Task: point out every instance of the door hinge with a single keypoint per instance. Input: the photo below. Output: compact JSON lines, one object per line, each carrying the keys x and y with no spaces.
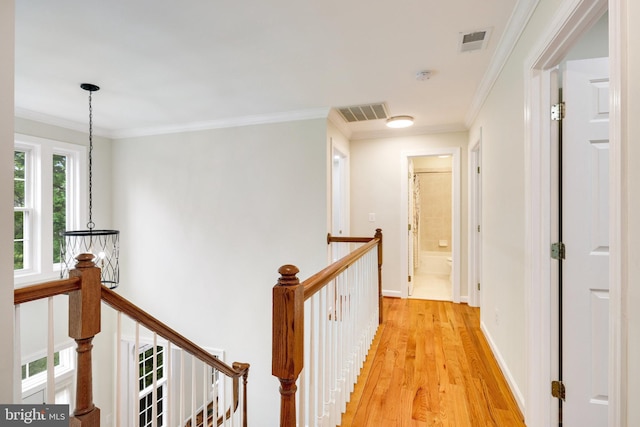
{"x":409,"y":227}
{"x":558,"y":250}
{"x":409,"y":278}
{"x":558,"y":111}
{"x":557,"y":390}
{"x":478,"y":169}
{"x":478,"y":286}
{"x":478,"y":228}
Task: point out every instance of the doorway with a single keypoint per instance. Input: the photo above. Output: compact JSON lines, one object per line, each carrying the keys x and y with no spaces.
{"x":475,"y":222}
{"x":431,"y":227}
{"x":339,"y":200}
{"x":445,"y":245}
{"x":542,"y":223}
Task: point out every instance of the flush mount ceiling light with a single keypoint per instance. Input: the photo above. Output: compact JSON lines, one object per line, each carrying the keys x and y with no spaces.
{"x":398,"y":122}
{"x":102,"y":244}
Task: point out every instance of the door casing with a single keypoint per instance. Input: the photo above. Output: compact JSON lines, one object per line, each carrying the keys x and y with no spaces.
{"x":475,"y":222}
{"x":572,"y":20}
{"x":405,"y":157}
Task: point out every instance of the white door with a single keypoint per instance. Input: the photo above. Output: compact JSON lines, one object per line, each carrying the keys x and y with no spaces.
{"x":339,"y":201}
{"x":475,"y":248}
{"x":412,"y":228}
{"x":585,"y":232}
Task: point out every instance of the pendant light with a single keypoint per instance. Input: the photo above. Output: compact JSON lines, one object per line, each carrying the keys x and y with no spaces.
{"x":102,"y":244}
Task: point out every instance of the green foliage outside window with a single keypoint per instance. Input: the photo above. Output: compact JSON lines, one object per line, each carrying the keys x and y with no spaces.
{"x":59,"y":202}
{"x":19,"y":197}
{"x":40,"y":365}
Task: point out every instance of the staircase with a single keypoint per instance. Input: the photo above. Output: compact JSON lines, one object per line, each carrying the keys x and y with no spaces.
{"x":211,"y":386}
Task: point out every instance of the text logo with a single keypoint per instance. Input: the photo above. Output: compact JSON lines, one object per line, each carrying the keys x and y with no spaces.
{"x":34,"y":415}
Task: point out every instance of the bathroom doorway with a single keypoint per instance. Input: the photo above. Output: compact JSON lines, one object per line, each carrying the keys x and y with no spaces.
{"x":431,"y":223}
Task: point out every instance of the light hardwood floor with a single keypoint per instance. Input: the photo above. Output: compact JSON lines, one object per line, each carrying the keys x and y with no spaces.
{"x":430,"y":365}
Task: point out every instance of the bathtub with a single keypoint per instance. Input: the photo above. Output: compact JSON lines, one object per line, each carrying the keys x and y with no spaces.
{"x":434,"y":262}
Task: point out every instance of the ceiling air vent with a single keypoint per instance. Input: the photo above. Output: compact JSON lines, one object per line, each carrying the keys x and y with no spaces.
{"x":361,"y":113}
{"x":475,"y":40}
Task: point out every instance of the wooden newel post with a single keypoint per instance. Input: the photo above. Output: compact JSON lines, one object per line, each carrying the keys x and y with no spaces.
{"x":84,"y":324}
{"x":288,"y":339}
{"x":378,"y":235}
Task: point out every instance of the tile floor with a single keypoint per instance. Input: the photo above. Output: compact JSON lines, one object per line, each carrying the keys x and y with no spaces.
{"x":431,"y":286}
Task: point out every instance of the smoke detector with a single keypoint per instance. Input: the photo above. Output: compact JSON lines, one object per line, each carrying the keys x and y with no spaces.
{"x":423,"y":75}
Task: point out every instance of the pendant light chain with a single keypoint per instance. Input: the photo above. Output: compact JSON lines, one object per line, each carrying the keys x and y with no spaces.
{"x":90,"y":224}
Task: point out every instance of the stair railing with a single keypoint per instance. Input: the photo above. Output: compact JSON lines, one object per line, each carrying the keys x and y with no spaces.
{"x":86,"y":294}
{"x":325,"y":325}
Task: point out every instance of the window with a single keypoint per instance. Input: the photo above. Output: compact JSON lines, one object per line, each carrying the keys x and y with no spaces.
{"x":21,"y":208}
{"x":34,"y":377}
{"x":146,"y":386}
{"x":47,"y":189}
{"x":171,"y":373}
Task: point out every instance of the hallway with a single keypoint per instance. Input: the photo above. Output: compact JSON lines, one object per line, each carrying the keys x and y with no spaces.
{"x":430,"y":365}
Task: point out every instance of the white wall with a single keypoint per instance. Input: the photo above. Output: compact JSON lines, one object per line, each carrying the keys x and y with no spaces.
{"x":594,"y":43}
{"x":501,"y":121}
{"x":7,"y":13}
{"x":206,"y":220}
{"x":375,"y":188}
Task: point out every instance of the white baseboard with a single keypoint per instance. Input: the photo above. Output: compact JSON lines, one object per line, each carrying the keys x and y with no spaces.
{"x":464,"y":300}
{"x":392,"y":294}
{"x":517,"y":394}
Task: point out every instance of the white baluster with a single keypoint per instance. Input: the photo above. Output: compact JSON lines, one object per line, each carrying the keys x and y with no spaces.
{"x":17,"y":358}
{"x":135,"y":396}
{"x":51,"y":377}
{"x":119,"y":402}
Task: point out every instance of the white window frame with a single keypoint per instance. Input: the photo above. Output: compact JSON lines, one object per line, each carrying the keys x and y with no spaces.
{"x":131,"y":394}
{"x":160,"y":382}
{"x":63,"y":373}
{"x":39,"y":192}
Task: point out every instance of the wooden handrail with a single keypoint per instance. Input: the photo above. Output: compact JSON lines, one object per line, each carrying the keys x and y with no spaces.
{"x":335,"y":239}
{"x":45,"y":290}
{"x":121,"y":304}
{"x":316,"y":282}
{"x":289,"y":297}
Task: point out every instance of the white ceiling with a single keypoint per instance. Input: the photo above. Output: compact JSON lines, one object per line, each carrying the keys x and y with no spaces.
{"x":165,"y":65}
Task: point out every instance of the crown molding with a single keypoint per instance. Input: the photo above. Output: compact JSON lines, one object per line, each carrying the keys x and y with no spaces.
{"x":412,"y":131}
{"x":47,"y":119}
{"x":516,"y":25}
{"x":290,"y":116}
{"x":336,"y":119}
{"x":258,"y":119}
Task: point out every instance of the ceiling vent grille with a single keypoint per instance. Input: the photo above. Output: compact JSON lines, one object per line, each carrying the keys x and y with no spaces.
{"x":475,"y":40}
{"x":362,"y":113}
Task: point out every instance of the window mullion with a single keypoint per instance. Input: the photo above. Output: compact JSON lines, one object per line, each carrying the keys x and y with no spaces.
{"x":46,"y":210}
